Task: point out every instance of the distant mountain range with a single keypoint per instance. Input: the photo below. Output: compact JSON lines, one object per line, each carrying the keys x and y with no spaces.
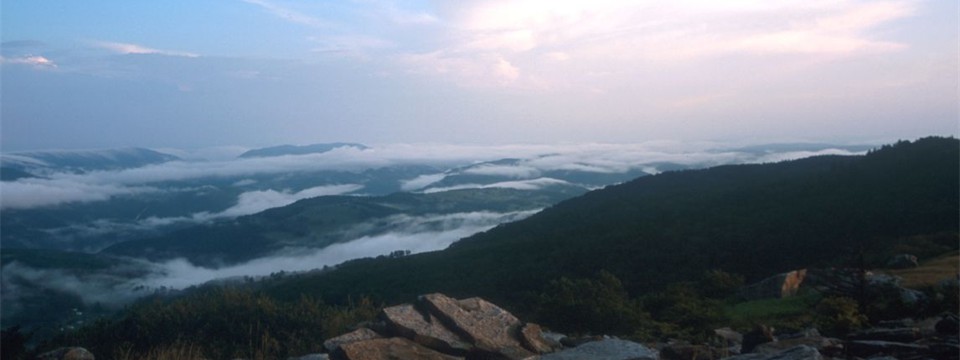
{"x":25,"y":164}
{"x":298,"y":149}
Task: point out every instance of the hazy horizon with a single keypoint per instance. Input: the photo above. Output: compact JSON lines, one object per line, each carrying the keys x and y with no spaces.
{"x":254,"y":73}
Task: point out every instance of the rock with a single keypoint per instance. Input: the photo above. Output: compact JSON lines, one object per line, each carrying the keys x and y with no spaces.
{"x":729,"y":335}
{"x":532,"y":338}
{"x":903,"y":261}
{"x":893,"y":324}
{"x":867,"y":348}
{"x":777,"y":286}
{"x":424,"y":329}
{"x":823,"y":345}
{"x":488,"y":327}
{"x":682,"y":350}
{"x":801,"y":352}
{"x":67,"y":353}
{"x":387,"y":349}
{"x":606,"y":349}
{"x":948,"y":325}
{"x":909,"y":334}
{"x":759,"y":335}
{"x":311,"y":357}
{"x":353,"y":336}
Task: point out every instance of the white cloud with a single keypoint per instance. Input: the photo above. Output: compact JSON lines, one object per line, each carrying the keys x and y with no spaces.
{"x":127,"y":48}
{"x":252,"y":202}
{"x":579,"y":37}
{"x":414,"y":233}
{"x":36,"y":61}
{"x":520,"y":171}
{"x":288,"y":14}
{"x":421,"y":181}
{"x":34,"y":192}
{"x":60,"y":188}
{"x":532,"y":184}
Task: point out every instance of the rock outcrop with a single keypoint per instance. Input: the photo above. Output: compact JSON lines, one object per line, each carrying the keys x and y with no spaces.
{"x":440,"y":327}
{"x":778,"y":286}
{"x":67,"y":353}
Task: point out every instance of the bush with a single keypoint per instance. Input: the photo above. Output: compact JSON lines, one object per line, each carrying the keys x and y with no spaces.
{"x":599,"y":305}
{"x":838,"y":316}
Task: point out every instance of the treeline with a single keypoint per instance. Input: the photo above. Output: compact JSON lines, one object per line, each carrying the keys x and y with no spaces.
{"x":218,"y":323}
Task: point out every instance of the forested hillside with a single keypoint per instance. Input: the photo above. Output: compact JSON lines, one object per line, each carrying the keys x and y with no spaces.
{"x":751,"y":220}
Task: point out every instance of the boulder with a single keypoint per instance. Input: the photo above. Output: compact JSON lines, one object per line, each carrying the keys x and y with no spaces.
{"x":423,"y":328}
{"x":909,"y":334}
{"x":760,"y":334}
{"x":489,"y":328}
{"x":903,"y":261}
{"x":683,"y":350}
{"x":353,"y":336}
{"x":867,"y":348}
{"x":949,"y":324}
{"x":606,"y":349}
{"x":387,"y":349}
{"x":67,"y":353}
{"x":729,"y":335}
{"x":777,"y":286}
{"x":801,"y":352}
{"x":532,"y":338}
{"x":823,"y":345}
{"x":311,"y":357}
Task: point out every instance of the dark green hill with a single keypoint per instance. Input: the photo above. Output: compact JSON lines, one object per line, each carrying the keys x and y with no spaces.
{"x":325,"y":220}
{"x":297,"y":150}
{"x":754,"y":220}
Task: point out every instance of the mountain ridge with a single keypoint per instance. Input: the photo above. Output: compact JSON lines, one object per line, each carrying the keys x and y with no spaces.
{"x":838,"y":203}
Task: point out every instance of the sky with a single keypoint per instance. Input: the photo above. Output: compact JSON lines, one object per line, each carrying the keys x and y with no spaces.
{"x":205,"y":73}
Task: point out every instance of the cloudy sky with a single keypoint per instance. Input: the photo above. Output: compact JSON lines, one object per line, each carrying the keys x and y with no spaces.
{"x":190,"y":74}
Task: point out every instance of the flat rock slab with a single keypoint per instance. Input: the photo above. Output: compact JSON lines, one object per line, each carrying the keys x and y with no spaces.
{"x":424,"y":329}
{"x":490,"y":328}
{"x":801,"y":352}
{"x":388,"y":349}
{"x":357,"y":335}
{"x":607,"y":349}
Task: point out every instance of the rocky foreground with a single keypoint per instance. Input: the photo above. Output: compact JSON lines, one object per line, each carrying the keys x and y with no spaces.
{"x":439,"y":327}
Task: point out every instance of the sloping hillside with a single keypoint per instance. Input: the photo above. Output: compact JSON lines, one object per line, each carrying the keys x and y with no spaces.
{"x":753,"y":220}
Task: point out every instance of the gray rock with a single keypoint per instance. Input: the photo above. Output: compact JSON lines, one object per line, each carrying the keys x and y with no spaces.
{"x":607,"y":349}
{"x":424,"y":329}
{"x":357,"y":335}
{"x":729,"y":335}
{"x":387,"y":349}
{"x":903,"y":261}
{"x":867,"y":348}
{"x":311,"y":357}
{"x":532,"y":338}
{"x":906,"y":335}
{"x":949,"y":325}
{"x":67,"y":353}
{"x":801,"y":352}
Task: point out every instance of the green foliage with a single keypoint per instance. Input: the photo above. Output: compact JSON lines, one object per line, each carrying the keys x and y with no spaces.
{"x":222,"y":323}
{"x":690,"y":315}
{"x":838,"y":316}
{"x":792,"y":313}
{"x":718,"y":284}
{"x":599,"y":305}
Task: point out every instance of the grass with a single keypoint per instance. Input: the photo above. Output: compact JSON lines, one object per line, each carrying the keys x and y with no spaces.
{"x":930,"y":272}
{"x":791,"y":312}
